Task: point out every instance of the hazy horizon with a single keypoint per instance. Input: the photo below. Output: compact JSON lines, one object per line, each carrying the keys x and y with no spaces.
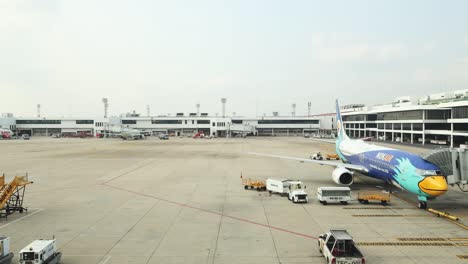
{"x":261,"y":55}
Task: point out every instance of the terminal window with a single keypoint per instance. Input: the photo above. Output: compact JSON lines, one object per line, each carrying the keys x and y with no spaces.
{"x":84,"y":122}
{"x":402,"y":115}
{"x":460,"y":112}
{"x":307,"y":121}
{"x":166,"y":121}
{"x":39,"y":122}
{"x":128,"y":122}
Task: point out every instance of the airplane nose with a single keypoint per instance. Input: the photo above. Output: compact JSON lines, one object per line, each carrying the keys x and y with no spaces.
{"x":434,"y":185}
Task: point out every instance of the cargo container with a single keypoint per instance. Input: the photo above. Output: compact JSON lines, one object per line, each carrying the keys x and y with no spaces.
{"x":5,"y":255}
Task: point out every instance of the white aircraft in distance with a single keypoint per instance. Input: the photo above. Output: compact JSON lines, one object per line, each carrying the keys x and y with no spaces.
{"x":131,"y":134}
{"x":402,"y":169}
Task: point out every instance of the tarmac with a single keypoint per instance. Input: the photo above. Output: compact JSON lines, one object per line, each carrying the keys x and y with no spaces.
{"x":181,"y":201}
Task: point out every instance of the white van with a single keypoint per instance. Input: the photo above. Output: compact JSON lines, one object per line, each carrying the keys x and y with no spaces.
{"x":334,"y":194}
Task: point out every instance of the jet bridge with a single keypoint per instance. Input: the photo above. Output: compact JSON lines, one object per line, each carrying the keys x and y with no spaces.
{"x":453,"y":163}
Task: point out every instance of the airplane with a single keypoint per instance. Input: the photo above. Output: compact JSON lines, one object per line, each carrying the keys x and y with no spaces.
{"x":6,"y":133}
{"x":131,"y":134}
{"x":402,"y":169}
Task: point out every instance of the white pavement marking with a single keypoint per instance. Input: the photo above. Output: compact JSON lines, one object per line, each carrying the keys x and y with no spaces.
{"x":104,"y":261}
{"x":21,"y":218}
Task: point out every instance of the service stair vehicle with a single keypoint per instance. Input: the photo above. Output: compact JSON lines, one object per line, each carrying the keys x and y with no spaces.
{"x":338,"y":247}
{"x":382,"y":197}
{"x":334,"y":195}
{"x":254,"y":184}
{"x":5,"y":255}
{"x":42,"y":251}
{"x":295,"y":190}
{"x":12,"y":195}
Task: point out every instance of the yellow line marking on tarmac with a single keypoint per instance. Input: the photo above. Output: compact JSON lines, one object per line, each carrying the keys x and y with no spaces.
{"x":374,"y":208}
{"x":424,"y":244}
{"x":421,"y":239}
{"x":458,"y":223}
{"x":378,"y":215}
{"x":452,"y":221}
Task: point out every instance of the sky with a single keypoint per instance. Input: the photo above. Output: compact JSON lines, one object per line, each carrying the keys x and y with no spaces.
{"x":262,"y":55}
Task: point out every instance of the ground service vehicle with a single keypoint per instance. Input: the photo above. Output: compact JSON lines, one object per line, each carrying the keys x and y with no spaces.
{"x":250,"y":183}
{"x":338,"y":247}
{"x":333,"y":156}
{"x":199,"y":134}
{"x":41,"y":251}
{"x":316,"y":156}
{"x":163,"y":137}
{"x":5,"y":255}
{"x":365,"y":197}
{"x":295,"y":190}
{"x":333,"y":195}
{"x":25,"y":137}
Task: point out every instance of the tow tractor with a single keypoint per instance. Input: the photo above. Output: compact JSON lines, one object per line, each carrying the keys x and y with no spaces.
{"x":295,"y":190}
{"x":319,"y":156}
{"x":316,"y":156}
{"x":42,"y":251}
{"x":338,"y":247}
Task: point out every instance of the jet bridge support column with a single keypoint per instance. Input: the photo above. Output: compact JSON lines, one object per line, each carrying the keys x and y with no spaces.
{"x":451,"y":135}
{"x":460,"y":167}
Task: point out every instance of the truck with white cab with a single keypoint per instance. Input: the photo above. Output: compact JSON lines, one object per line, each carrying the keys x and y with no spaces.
{"x":338,"y":247}
{"x":295,"y":190}
{"x":42,"y":251}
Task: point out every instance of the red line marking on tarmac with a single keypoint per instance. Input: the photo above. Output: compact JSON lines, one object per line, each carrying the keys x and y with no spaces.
{"x":211,"y":212}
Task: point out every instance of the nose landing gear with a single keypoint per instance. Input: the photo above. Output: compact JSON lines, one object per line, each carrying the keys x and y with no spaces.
{"x":422,"y":205}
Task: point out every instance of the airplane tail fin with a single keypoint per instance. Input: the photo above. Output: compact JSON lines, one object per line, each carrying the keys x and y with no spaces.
{"x":339,"y":124}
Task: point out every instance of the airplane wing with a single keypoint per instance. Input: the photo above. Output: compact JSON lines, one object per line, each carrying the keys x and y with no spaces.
{"x":357,"y":168}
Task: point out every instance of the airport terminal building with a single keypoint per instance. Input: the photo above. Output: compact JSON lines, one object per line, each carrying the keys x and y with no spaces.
{"x":179,"y":125}
{"x":440,"y":119}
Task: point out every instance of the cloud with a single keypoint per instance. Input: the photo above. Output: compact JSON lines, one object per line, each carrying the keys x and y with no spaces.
{"x":338,"y":48}
{"x":453,"y":71}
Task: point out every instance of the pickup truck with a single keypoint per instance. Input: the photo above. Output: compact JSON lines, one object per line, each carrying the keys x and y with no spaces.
{"x":338,"y":247}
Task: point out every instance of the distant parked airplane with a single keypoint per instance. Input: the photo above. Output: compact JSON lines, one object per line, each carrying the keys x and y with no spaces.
{"x":131,"y":134}
{"x":399,"y":168}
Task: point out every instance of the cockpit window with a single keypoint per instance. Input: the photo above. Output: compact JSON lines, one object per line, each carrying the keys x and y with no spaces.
{"x":428,"y":172}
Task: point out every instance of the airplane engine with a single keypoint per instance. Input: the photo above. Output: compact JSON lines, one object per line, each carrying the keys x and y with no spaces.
{"x":342,"y":176}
